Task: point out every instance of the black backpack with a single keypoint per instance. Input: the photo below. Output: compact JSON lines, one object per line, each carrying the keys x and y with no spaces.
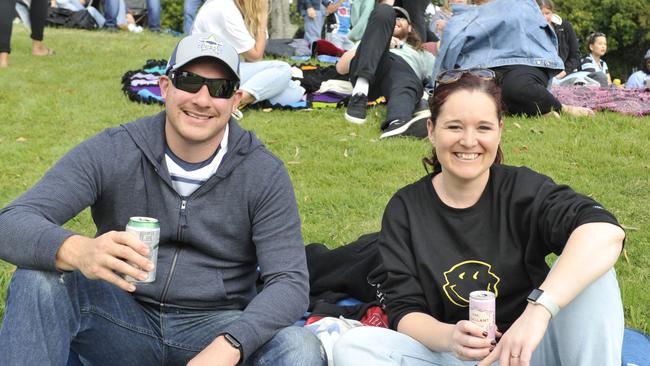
{"x":59,"y":17}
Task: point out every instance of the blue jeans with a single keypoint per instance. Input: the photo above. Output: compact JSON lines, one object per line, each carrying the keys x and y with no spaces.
{"x":47,"y":315}
{"x":588,"y":331}
{"x":270,"y":80}
{"x":190,"y":7}
{"x":153,"y":15}
{"x":115,"y":13}
{"x":314,"y":26}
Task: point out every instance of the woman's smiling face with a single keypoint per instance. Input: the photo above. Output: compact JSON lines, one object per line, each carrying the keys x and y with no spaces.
{"x":466,"y":135}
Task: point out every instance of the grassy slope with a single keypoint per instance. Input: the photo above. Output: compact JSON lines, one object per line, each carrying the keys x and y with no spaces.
{"x":342,"y":174}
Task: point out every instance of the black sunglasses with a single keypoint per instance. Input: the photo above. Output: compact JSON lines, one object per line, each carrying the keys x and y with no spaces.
{"x":453,"y":75}
{"x":192,"y":83}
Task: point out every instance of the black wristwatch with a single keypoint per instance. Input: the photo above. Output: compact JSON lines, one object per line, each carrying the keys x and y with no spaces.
{"x":235,"y":344}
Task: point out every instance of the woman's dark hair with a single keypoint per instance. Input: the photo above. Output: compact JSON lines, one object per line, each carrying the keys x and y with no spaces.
{"x":591,"y":38}
{"x":548,"y":4}
{"x":442,"y":92}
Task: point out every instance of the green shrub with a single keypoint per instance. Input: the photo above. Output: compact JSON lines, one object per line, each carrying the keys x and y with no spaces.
{"x":625,"y":22}
{"x":171,"y":15}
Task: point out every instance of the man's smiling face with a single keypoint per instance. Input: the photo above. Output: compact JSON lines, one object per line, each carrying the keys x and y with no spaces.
{"x":196,"y":118}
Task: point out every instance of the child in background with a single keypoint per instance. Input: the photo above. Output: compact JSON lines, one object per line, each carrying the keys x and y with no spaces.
{"x":338,"y":34}
{"x":593,"y":62}
{"x":314,"y":12}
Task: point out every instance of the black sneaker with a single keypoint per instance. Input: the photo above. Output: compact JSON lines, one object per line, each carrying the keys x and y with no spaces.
{"x":416,"y":127}
{"x":356,"y":111}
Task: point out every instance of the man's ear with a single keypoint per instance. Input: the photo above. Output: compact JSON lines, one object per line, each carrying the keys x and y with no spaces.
{"x":239,"y":94}
{"x":164,"y":84}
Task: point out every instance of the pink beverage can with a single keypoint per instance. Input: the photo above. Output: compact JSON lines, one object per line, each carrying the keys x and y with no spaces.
{"x":482,"y":311}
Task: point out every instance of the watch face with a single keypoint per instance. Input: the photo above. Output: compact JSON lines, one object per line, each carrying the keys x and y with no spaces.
{"x":535,"y":294}
{"x":233,"y":342}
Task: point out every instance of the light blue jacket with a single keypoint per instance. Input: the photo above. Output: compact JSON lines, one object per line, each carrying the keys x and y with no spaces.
{"x":499,"y":33}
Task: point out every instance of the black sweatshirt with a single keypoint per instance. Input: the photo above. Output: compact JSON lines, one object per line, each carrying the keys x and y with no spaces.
{"x":434,"y":255}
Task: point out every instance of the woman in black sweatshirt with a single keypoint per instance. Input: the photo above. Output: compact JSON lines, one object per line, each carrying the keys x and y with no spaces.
{"x":475,"y":224}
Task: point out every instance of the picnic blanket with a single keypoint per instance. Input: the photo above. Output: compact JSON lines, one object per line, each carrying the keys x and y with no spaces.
{"x":632,"y":102}
{"x":141,"y":86}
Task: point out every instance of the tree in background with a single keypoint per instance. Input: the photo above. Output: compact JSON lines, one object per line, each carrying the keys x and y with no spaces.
{"x":625,"y":22}
{"x":279,"y":20}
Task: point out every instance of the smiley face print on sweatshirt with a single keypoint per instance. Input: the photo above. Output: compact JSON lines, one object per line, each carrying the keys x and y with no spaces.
{"x":468,"y":276}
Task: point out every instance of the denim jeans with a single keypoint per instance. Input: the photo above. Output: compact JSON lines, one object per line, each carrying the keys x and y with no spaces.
{"x":588,"y":331}
{"x":270,"y":80}
{"x":115,"y":13}
{"x":314,"y":26}
{"x":48,"y":314}
{"x":190,"y":7}
{"x":153,"y":15}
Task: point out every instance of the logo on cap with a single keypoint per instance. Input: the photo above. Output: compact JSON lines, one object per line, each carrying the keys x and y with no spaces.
{"x":210,"y":43}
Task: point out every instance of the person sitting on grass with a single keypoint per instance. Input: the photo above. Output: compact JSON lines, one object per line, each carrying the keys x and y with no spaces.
{"x":568,"y":48}
{"x":389,"y":61}
{"x":440,"y":18}
{"x":593,"y":62}
{"x":641,"y":78}
{"x":228,"y":219}
{"x":474,"y":224}
{"x":525,"y":59}
{"x":243,"y":23}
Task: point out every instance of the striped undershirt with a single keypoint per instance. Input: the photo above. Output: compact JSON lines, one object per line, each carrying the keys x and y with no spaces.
{"x":188,"y":177}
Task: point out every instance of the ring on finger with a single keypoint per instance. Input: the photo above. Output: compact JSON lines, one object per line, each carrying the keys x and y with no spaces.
{"x":514,"y":356}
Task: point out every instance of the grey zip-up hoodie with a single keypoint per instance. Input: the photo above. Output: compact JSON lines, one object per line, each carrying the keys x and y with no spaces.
{"x":211,"y":243}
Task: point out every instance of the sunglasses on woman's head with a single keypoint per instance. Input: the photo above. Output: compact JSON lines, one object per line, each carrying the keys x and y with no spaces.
{"x":451,"y":76}
{"x":192,"y":83}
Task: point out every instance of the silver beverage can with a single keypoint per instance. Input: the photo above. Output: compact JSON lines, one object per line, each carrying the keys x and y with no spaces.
{"x":482,"y":311}
{"x":146,"y":229}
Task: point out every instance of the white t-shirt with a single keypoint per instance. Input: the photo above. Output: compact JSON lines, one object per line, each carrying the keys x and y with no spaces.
{"x":222,"y":18}
{"x":188,"y":177}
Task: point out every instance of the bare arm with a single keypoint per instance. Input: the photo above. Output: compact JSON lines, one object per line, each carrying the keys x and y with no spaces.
{"x":592,"y":249}
{"x":464,"y":339}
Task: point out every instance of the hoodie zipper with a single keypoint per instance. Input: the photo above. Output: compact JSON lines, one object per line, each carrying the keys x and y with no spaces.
{"x":179,"y":236}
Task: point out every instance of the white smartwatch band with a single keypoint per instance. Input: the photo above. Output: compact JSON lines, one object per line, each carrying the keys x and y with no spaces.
{"x":538,"y":297}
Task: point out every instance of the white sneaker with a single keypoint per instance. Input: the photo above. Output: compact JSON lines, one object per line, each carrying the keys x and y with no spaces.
{"x":133,"y":28}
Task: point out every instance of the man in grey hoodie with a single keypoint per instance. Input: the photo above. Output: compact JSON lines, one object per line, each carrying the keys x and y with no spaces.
{"x":228,"y":217}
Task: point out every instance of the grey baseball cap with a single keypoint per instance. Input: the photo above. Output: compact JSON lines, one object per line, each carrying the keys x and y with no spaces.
{"x":199,"y":45}
{"x":402,"y":13}
{"x":647,"y":54}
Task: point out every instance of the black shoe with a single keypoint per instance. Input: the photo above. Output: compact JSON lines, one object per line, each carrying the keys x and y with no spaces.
{"x":356,"y":111}
{"x":416,"y":127}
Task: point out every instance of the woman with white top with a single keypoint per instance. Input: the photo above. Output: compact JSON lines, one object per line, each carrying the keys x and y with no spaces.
{"x":243,"y":24}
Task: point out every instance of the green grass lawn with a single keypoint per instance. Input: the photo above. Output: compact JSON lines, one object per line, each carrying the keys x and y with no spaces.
{"x":343,"y":175}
